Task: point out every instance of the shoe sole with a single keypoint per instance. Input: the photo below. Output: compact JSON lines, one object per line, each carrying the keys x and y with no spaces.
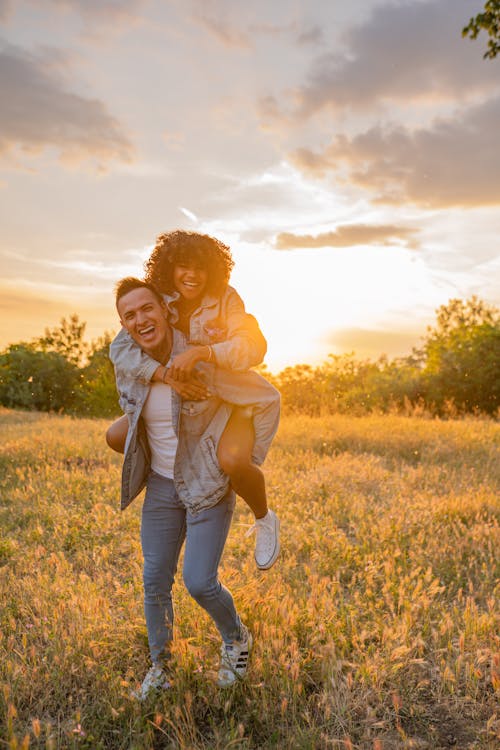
{"x":276,"y":552}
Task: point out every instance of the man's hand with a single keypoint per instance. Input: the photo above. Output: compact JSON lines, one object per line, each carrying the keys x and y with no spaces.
{"x":184,"y":363}
{"x":192,"y":389}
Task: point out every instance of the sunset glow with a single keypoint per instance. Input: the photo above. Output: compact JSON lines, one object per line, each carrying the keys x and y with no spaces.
{"x":347,"y":153}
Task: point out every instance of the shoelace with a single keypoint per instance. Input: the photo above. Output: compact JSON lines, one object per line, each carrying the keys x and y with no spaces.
{"x":251,"y":530}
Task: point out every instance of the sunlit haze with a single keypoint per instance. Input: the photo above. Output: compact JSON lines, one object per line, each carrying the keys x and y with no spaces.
{"x":347,"y":152}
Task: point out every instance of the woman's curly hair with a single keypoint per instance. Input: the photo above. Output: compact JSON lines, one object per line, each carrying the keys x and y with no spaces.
{"x":188,"y":248}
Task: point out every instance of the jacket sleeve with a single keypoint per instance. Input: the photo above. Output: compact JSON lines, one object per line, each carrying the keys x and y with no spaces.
{"x":244,"y":345}
{"x":129,"y":360}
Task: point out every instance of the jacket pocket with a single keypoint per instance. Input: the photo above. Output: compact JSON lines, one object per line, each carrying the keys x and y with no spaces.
{"x":211,"y":463}
{"x":195,"y":416}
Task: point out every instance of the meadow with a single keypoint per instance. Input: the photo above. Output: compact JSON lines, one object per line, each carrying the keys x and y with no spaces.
{"x":377,"y":629}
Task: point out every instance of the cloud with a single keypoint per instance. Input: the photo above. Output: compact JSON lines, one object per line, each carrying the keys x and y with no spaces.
{"x":216,"y":19}
{"x":348,"y":235}
{"x":454,"y":162}
{"x":236,"y":27}
{"x":39,"y":111}
{"x":5,"y":9}
{"x":310,"y":35}
{"x":224,"y":33}
{"x":112,"y":10}
{"x":405,"y":52}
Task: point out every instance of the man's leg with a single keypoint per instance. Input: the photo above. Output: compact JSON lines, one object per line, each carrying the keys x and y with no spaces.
{"x":163,"y":530}
{"x":206,"y":535}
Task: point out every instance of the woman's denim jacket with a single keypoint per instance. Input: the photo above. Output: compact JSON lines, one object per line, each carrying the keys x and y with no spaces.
{"x":198,"y":478}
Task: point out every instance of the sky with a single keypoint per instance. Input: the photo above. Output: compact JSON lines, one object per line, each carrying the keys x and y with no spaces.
{"x":348,"y":153}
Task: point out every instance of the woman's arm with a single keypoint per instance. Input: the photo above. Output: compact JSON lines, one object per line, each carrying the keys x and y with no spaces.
{"x":244,"y":345}
{"x":131,"y":363}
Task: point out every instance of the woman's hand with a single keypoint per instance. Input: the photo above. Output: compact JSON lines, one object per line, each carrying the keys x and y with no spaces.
{"x":183,"y":364}
{"x":192,"y":389}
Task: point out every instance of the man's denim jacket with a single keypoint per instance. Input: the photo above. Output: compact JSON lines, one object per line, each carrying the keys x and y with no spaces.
{"x":199,"y":480}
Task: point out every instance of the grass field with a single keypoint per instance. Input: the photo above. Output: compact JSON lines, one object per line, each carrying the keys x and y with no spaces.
{"x":378,"y":627}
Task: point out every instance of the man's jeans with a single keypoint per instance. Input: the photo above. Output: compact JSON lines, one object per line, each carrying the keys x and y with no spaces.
{"x":165,"y":525}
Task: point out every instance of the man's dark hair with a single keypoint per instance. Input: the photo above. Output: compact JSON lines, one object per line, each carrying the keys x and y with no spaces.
{"x":129,"y":283}
{"x":189,"y":248}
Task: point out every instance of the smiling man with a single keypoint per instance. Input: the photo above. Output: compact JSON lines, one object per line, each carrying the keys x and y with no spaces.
{"x":171,"y":450}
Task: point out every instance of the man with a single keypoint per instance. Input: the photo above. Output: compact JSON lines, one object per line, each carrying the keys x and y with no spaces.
{"x":171,"y":450}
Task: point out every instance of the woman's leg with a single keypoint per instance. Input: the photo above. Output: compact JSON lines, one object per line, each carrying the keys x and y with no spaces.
{"x":116,"y":435}
{"x":163,"y":529}
{"x":235,"y":458}
{"x":247,"y":480}
{"x":206,"y":534}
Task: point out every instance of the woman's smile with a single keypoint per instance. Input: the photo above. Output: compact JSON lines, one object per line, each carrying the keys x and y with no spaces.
{"x":190,"y":281}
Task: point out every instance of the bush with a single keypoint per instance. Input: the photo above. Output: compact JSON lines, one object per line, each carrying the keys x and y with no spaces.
{"x":30,"y":379}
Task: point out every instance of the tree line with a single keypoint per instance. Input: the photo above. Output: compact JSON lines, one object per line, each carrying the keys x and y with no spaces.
{"x":455,"y":371}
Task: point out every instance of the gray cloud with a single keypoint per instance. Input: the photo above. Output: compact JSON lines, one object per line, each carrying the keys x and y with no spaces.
{"x":233,"y":30}
{"x":112,"y":9}
{"x":5,"y":9}
{"x":401,"y":53}
{"x":228,"y":35}
{"x":39,"y":111}
{"x":105,"y":11}
{"x":454,"y":162}
{"x":310,"y":35}
{"x":349,"y":235}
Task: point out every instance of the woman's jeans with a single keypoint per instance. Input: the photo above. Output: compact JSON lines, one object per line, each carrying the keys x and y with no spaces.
{"x":165,"y":525}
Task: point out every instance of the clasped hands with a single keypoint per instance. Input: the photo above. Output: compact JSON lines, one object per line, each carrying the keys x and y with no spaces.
{"x":182,"y":376}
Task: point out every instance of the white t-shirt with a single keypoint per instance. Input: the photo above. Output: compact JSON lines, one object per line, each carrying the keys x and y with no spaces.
{"x":157,"y":415}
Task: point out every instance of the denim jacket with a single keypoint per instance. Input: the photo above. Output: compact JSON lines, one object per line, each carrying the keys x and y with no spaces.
{"x":198,"y":478}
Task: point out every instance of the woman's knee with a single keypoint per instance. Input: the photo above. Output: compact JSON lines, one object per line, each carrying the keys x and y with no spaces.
{"x":233,"y":461}
{"x":116,"y":435}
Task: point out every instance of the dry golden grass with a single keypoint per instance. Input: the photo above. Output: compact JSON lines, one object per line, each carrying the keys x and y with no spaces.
{"x":377,"y":628}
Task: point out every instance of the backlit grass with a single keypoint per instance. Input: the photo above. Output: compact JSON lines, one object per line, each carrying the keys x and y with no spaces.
{"x":377,"y":628}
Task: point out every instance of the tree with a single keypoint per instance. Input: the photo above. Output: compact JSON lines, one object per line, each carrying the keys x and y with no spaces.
{"x":66,"y":339}
{"x":489,"y":21}
{"x":30,"y":379}
{"x":462,"y":357}
{"x":97,"y":394}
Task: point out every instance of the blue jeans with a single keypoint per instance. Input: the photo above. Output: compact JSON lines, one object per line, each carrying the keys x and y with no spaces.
{"x":165,"y":525}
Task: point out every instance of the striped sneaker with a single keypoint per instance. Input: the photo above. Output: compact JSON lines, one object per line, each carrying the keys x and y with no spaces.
{"x":234,"y":659}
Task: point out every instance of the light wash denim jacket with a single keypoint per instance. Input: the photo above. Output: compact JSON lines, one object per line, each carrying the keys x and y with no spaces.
{"x":198,"y":478}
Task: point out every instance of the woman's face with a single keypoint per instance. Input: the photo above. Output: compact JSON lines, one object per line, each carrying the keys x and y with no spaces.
{"x":190,"y":280}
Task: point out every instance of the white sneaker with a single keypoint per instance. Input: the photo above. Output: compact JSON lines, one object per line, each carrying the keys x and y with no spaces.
{"x":267,"y":543}
{"x":234,"y":659}
{"x":156,"y":679}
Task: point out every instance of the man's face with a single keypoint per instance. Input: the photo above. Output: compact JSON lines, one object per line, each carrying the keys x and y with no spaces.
{"x":144,"y":317}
